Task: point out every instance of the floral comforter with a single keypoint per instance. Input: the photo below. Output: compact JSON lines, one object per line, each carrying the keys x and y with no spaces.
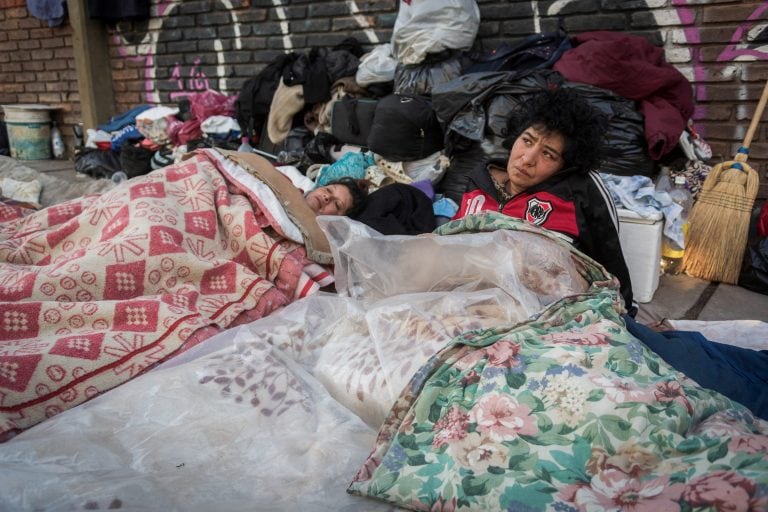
{"x":566,"y":411}
{"x":96,"y":290}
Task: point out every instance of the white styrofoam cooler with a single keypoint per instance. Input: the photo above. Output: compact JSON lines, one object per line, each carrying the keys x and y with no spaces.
{"x":641,"y":244}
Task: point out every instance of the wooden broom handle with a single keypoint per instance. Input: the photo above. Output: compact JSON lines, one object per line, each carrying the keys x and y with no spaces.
{"x":756,"y":117}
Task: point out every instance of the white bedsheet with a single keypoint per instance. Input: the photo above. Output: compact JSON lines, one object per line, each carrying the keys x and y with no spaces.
{"x":741,"y":333}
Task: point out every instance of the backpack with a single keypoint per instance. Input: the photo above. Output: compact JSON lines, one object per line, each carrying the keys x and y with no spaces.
{"x":536,"y":51}
{"x":352,"y":118}
{"x":405,"y":128}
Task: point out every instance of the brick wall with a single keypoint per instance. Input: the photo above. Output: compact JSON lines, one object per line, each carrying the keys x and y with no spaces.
{"x":196,"y":44}
{"x":37,"y":65}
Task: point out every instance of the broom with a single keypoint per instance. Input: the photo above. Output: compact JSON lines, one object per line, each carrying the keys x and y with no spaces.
{"x":719,"y":222}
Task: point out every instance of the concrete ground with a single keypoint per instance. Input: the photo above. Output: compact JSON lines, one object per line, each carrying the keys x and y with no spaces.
{"x":678,"y":297}
{"x":684,"y":297}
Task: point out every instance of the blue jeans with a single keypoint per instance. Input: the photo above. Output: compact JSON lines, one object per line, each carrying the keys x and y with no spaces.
{"x":739,"y":373}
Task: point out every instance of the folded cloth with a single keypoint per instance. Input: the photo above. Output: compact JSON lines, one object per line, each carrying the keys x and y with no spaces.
{"x":638,"y":194}
{"x":286,"y":103}
{"x":121,"y":120}
{"x":219,"y":125}
{"x":125,"y":135}
{"x":445,"y":207}
{"x":155,"y":123}
{"x":426,"y":187}
{"x":351,"y":165}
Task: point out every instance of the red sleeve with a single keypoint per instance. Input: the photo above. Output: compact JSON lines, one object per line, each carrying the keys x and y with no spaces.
{"x":475,"y":201}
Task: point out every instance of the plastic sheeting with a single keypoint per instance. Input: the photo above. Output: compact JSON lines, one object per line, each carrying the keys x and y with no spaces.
{"x":279,"y":414}
{"x":432,"y":26}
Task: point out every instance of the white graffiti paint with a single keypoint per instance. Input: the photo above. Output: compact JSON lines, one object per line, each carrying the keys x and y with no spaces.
{"x":361,"y":20}
{"x":285,"y":27}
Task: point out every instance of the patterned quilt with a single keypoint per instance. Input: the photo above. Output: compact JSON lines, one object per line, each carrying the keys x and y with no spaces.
{"x":96,"y":290}
{"x":565,"y":412}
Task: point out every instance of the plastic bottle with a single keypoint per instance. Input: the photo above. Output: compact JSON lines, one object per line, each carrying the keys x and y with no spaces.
{"x":663,"y":183}
{"x":245,"y":146}
{"x":671,"y":252}
{"x":118,"y":177}
{"x":78,"y":131}
{"x":57,"y":143}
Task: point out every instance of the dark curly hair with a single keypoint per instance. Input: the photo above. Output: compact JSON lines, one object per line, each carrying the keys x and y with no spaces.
{"x":564,"y":111}
{"x":359,"y":191}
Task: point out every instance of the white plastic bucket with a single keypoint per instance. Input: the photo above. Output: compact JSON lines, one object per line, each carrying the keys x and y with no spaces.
{"x":29,"y":131}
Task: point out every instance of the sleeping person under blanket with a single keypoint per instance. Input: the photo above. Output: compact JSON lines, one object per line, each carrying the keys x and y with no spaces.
{"x":100,"y":288}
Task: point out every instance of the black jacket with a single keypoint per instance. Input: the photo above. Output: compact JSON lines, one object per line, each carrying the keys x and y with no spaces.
{"x":574,"y":204}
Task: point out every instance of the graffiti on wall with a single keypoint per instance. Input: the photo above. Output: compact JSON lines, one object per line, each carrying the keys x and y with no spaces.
{"x":164,"y":80}
{"x":748,"y":42}
{"x":196,"y":81}
{"x":167,"y":80}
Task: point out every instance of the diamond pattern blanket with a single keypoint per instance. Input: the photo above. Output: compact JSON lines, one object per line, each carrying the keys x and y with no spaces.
{"x":96,"y":290}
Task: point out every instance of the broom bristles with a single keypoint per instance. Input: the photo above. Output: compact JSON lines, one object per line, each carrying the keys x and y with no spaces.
{"x":719,"y":223}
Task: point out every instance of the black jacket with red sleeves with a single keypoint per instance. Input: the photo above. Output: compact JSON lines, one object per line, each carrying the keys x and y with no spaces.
{"x":574,"y":204}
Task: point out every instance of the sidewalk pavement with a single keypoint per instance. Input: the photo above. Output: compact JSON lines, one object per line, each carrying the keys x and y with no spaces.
{"x":683,"y":297}
{"x":678,"y":297}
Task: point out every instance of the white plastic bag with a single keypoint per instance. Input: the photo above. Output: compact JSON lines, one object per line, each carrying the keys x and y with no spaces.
{"x":431,"y":26}
{"x":431,"y":168}
{"x":376,"y":66}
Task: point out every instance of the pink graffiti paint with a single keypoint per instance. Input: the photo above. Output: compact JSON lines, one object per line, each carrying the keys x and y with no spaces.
{"x":163,"y":6}
{"x":197,"y":81}
{"x":731,"y":52}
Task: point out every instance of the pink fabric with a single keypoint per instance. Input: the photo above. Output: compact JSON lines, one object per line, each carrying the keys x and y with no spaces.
{"x":96,"y":290}
{"x":211,"y":103}
{"x":762,"y":221}
{"x":183,"y":132}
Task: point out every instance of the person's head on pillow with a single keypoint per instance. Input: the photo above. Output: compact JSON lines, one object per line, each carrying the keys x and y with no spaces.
{"x":345,"y":196}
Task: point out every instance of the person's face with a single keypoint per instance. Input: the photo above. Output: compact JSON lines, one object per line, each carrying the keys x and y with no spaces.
{"x":534,"y":157}
{"x":330,"y":200}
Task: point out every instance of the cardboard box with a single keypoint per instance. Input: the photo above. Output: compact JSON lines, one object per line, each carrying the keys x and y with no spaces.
{"x":641,"y":244}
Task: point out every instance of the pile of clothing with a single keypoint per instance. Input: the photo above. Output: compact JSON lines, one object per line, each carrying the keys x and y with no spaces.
{"x":428,"y":107}
{"x":149,"y":137}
